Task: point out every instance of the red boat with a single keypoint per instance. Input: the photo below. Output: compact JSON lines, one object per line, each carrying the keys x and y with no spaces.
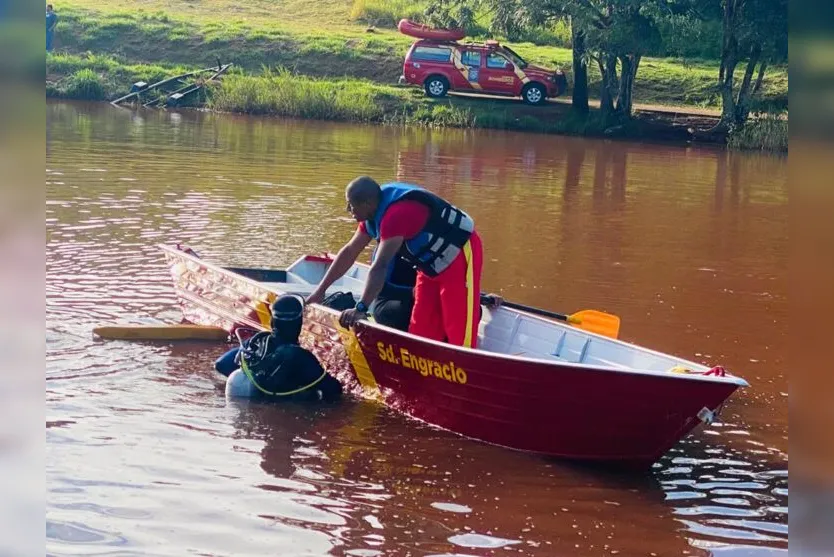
{"x":420,"y":31}
{"x":533,"y":384}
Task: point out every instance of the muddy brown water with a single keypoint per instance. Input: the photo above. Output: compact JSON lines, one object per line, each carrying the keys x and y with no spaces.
{"x":146,"y":457}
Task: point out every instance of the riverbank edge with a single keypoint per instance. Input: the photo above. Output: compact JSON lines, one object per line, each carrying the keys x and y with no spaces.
{"x":286,"y":94}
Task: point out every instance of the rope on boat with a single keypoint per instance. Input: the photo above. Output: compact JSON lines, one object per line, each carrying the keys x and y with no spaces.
{"x":717,"y":371}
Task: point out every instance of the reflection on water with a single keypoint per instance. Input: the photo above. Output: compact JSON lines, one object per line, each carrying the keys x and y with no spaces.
{"x":146,"y":457}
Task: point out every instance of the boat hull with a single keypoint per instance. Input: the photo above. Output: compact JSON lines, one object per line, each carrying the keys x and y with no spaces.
{"x":215,"y":296}
{"x":558,"y":409}
{"x":564,"y":411}
{"x":419,"y":31}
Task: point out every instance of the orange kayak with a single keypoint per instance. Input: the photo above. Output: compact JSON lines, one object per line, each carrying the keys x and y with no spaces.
{"x":420,"y":31}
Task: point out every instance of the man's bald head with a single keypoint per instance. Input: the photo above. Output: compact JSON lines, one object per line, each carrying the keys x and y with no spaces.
{"x":362,"y":190}
{"x":362,"y":196}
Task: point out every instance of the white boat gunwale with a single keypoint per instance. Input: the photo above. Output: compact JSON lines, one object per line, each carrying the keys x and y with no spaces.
{"x":728,"y":379}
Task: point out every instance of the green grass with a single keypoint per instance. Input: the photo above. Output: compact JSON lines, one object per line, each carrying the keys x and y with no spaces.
{"x":72,"y":76}
{"x":768,"y":133}
{"x":387,"y":13}
{"x":281,"y":93}
{"x":159,"y":37}
{"x":85,"y":84}
{"x":257,"y":14}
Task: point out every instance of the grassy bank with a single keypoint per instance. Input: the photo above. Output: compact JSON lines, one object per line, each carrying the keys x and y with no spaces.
{"x":768,"y":133}
{"x":99,"y":77}
{"x":326,"y":42}
{"x":282,"y":93}
{"x":337,"y":69}
{"x":161,"y":37}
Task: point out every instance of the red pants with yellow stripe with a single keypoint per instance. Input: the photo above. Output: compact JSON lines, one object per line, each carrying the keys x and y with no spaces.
{"x":448,"y":307}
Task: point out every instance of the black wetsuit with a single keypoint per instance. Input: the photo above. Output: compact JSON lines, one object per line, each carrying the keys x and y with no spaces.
{"x":291,"y":367}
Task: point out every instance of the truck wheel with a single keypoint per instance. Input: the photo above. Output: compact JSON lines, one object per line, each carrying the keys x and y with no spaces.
{"x":436,"y":86}
{"x":534,"y":93}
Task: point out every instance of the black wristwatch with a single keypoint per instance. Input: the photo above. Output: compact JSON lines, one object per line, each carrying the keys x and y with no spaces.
{"x":361,"y":307}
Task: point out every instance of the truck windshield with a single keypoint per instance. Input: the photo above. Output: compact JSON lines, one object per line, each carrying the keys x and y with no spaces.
{"x":517,"y":60}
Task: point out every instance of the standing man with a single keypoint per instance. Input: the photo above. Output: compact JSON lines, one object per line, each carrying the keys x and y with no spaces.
{"x":51,"y":22}
{"x":438,"y":238}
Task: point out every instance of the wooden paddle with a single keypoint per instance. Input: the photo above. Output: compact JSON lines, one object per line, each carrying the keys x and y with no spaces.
{"x":161,"y":332}
{"x":591,"y":320}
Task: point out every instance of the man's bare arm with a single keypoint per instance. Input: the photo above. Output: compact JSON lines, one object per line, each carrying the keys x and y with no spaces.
{"x":386,"y":252}
{"x":343,"y":261}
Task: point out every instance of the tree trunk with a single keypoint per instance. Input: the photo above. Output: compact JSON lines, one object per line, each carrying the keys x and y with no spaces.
{"x":728,"y":104}
{"x":613,"y":79}
{"x":760,"y":77}
{"x":742,"y":108}
{"x":580,"y":70}
{"x":729,"y":60}
{"x":630,"y":64}
{"x":623,"y":95}
{"x":608,"y":85}
{"x":606,"y":103}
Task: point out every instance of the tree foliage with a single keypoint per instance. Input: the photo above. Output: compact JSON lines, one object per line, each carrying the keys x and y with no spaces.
{"x":614,"y":35}
{"x":756,"y":32}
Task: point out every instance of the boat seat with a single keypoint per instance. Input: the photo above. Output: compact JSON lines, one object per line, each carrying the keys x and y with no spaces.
{"x":581,"y":353}
{"x":520,"y":335}
{"x":504,"y":331}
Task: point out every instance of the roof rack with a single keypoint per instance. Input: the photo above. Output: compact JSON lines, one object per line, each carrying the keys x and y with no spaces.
{"x":438,"y":41}
{"x":489,"y":43}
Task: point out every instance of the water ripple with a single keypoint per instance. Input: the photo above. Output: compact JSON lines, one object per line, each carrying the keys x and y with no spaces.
{"x":79,"y":534}
{"x":733,"y":502}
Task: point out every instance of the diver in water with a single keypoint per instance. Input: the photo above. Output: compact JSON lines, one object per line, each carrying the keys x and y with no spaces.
{"x":272,"y":366}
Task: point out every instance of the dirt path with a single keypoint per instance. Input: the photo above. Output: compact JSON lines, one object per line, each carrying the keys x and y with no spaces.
{"x":670,"y":112}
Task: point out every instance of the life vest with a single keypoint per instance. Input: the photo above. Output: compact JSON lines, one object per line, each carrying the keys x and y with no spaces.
{"x":446,"y":231}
